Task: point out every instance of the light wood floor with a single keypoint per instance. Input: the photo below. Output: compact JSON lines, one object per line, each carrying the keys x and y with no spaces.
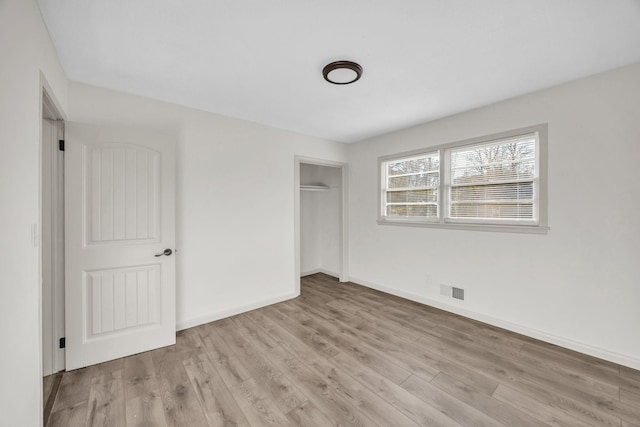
{"x":342,"y":354}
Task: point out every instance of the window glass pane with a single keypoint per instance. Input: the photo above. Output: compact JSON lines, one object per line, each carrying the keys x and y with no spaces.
{"x":411,"y":186}
{"x":482,"y":173}
{"x":517,"y":191}
{"x":509,"y":160}
{"x":412,"y":196}
{"x":499,"y":152}
{"x":428,"y":163}
{"x":421,"y":180}
{"x":412,"y":210}
{"x":498,"y":211}
{"x":494,"y":180}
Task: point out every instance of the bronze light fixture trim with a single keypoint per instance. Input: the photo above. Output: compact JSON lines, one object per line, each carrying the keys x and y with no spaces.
{"x":342,"y":72}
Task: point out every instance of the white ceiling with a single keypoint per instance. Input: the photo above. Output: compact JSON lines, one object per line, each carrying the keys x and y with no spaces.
{"x":262,"y":60}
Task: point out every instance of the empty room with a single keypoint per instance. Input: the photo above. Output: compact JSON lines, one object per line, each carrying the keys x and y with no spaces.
{"x":337,"y":213}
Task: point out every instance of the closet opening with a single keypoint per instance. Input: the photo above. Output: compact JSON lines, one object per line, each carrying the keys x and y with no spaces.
{"x":321,"y":219}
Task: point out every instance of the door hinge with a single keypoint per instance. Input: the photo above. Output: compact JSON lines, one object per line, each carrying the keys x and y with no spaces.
{"x":63,"y":342}
{"x":61,"y":144}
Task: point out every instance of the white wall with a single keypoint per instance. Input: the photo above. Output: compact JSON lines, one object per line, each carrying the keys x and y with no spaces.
{"x":26,"y":51}
{"x":320,"y":220}
{"x":578,"y":285}
{"x":235,"y":199}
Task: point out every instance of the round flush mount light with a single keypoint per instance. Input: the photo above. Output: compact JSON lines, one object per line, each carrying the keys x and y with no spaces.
{"x":342,"y":72}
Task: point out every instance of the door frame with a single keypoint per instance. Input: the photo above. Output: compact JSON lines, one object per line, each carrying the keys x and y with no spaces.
{"x":344,"y":223}
{"x":52,"y":214}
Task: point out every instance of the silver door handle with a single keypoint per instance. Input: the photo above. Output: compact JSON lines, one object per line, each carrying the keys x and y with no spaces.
{"x":166,"y":252}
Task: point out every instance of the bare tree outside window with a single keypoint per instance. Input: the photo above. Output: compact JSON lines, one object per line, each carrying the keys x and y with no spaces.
{"x":412,"y":186}
{"x":494,"y":181}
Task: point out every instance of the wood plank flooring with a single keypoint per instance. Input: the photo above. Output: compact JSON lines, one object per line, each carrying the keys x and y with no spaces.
{"x":342,"y":354}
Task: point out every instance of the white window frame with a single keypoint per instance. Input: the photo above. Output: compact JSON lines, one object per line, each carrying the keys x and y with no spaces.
{"x":539,"y":224}
{"x":385,"y":178}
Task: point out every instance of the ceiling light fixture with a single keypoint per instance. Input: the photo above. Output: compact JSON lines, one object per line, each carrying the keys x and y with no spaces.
{"x":342,"y":72}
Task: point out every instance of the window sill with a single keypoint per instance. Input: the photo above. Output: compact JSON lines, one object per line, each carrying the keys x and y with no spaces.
{"x":525,"y":229}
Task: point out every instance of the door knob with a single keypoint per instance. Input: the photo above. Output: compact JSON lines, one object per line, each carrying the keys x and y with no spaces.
{"x":166,"y":252}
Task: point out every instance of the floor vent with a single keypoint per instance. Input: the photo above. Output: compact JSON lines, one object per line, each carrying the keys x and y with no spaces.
{"x":457,"y":293}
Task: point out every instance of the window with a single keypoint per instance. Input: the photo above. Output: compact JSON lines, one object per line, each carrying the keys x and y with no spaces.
{"x":411,"y":187}
{"x":496,"y":182}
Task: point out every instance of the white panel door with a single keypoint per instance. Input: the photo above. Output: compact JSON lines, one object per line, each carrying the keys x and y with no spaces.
{"x":120,"y":230}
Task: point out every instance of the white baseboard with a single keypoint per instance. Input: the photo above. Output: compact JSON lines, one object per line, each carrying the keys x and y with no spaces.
{"x":221,"y":314}
{"x":601,"y":353}
{"x":320,"y":270}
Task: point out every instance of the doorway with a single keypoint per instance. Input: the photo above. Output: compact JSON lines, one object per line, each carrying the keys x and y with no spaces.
{"x":321,"y":218}
{"x":52,"y":237}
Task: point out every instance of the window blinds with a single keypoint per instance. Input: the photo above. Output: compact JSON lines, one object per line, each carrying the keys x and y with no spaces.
{"x":494,"y":181}
{"x":411,"y":186}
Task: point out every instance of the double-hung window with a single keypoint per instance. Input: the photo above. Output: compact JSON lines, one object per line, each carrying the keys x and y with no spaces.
{"x":497,"y":182}
{"x":411,"y":187}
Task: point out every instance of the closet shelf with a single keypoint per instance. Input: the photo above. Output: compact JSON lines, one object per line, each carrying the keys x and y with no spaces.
{"x":305,"y":187}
